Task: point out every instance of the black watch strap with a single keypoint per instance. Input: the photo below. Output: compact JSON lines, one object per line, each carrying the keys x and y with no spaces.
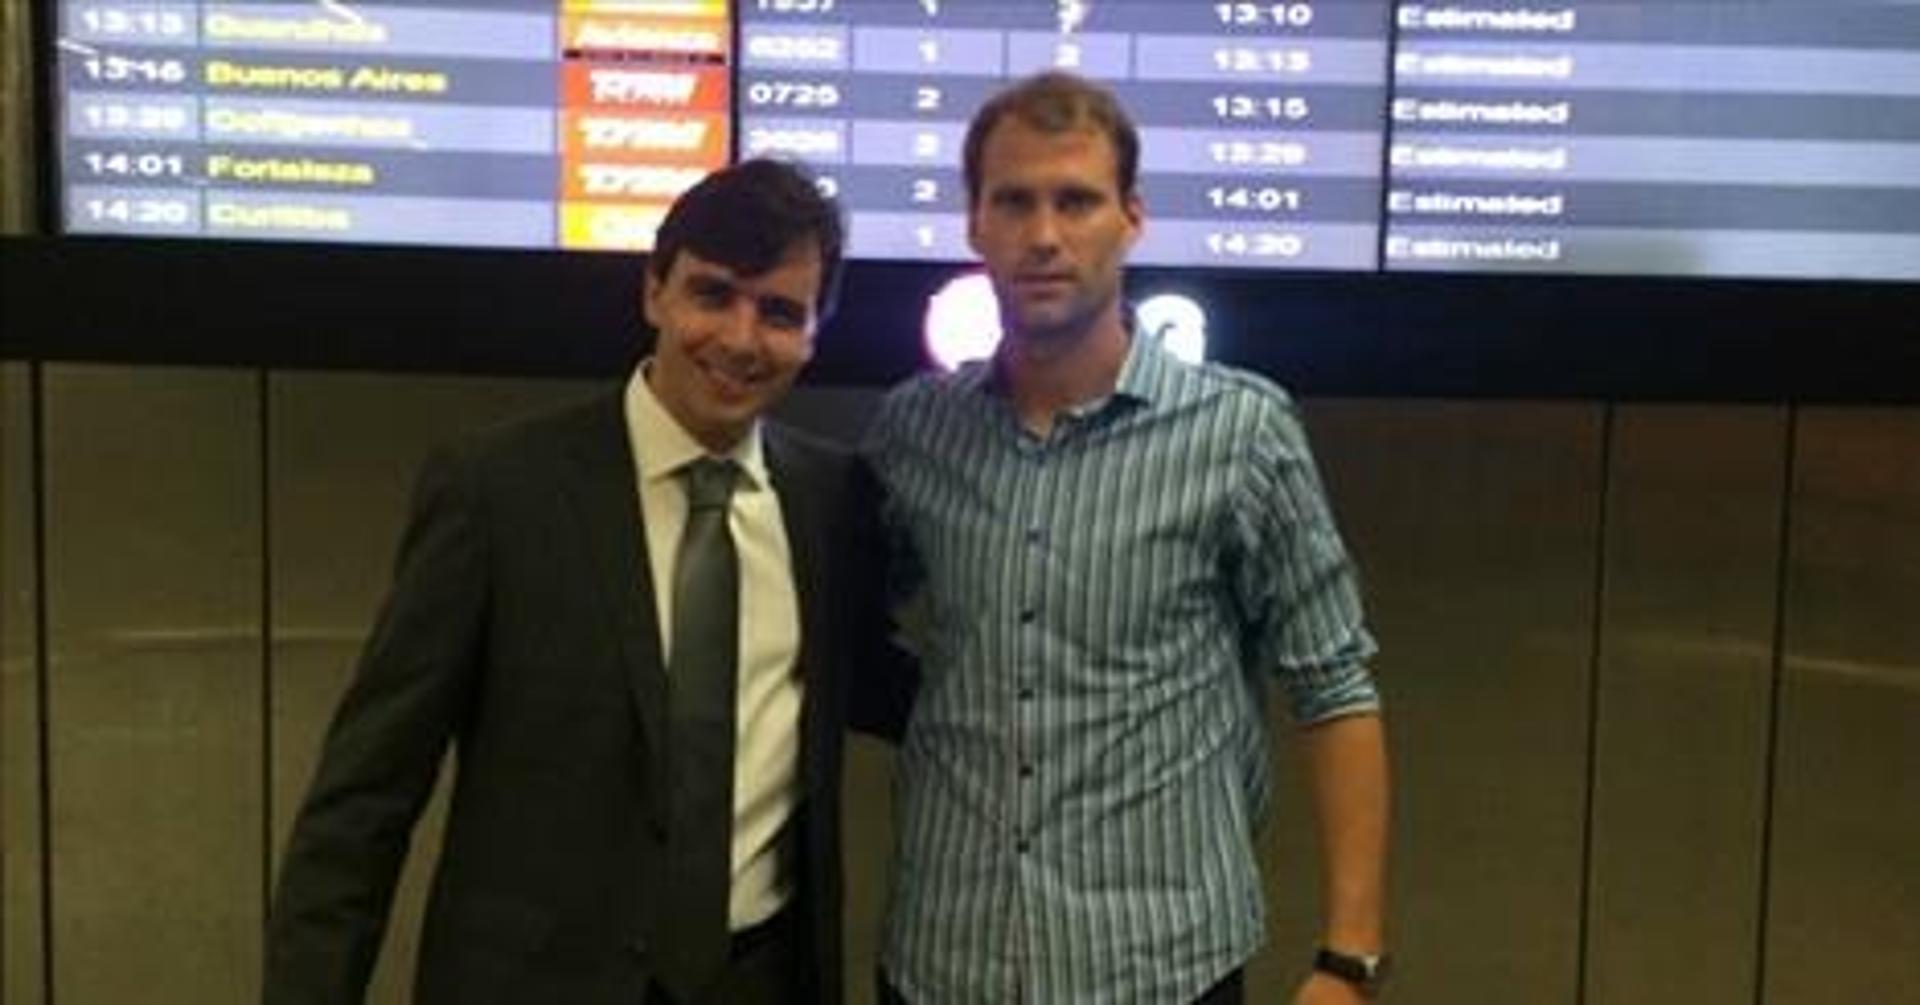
{"x":1367,"y":973}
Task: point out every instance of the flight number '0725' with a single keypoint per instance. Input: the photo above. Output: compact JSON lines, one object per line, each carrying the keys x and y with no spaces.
{"x":793,"y":94}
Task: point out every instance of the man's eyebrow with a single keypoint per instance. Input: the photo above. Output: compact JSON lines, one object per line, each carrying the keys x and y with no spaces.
{"x":783,"y":306}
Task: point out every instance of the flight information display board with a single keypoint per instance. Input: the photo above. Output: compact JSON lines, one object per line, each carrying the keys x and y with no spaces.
{"x":1679,"y":137}
{"x":1260,"y":123}
{"x":569,"y":123}
{"x":1699,"y":137}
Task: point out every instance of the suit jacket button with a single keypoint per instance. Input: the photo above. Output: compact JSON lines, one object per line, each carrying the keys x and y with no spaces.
{"x":638,"y":947}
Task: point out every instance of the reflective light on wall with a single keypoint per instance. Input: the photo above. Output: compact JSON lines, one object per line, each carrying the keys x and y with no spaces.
{"x":963,"y":321}
{"x":1178,"y":322}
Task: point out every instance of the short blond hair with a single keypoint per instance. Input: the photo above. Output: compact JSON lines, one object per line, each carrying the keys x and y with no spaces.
{"x":1056,"y":102}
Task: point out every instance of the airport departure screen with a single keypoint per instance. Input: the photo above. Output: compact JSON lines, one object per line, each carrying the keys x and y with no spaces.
{"x":1685,"y":137}
{"x":508,"y":124}
{"x":1260,"y":123}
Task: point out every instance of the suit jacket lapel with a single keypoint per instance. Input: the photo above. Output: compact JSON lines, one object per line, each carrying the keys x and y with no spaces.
{"x":604,"y":489}
{"x":606,"y":495}
{"x":801,"y":513}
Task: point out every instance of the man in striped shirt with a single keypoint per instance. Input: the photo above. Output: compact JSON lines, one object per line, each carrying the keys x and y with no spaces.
{"x":1116,"y":552}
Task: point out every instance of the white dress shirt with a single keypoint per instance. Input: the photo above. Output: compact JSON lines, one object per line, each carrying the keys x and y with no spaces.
{"x":766,"y":763}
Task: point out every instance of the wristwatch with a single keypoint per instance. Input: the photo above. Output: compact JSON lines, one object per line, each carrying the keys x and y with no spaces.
{"x":1367,"y":973}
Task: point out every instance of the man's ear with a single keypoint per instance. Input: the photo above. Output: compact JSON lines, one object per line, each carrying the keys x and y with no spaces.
{"x":1135,"y":209}
{"x":649,"y":295}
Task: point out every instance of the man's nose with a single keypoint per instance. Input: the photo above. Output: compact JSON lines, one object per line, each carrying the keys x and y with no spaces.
{"x":1043,"y":233}
{"x":739,"y":326}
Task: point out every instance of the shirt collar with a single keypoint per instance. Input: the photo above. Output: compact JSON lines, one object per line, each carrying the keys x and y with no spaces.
{"x":1141,"y":381}
{"x":1143,"y":374}
{"x":661,"y":446}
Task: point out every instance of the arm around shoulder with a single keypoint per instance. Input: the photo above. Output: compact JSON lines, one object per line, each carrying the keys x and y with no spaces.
{"x":886,"y":675}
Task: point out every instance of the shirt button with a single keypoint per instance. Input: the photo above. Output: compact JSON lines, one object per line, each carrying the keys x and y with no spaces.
{"x":1033,"y":535}
{"x":1026,"y":694}
{"x":1027,"y":616}
{"x":1026,"y":771}
{"x":1023,"y":846}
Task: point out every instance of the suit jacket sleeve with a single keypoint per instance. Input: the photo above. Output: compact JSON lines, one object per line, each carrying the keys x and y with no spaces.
{"x":383,"y":751}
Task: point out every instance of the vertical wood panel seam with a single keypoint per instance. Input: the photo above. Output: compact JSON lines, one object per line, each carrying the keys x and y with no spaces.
{"x":42,"y":670}
{"x":5,"y":501}
{"x":1783,"y":560}
{"x":264,"y":410}
{"x":1596,"y":642}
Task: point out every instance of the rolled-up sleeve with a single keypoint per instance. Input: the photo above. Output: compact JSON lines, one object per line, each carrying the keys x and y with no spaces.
{"x":1295,"y":581}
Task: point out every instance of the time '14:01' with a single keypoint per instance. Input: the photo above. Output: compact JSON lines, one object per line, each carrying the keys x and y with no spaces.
{"x":1256,"y":198}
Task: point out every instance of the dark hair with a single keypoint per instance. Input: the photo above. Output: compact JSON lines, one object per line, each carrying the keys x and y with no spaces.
{"x":745,"y":217}
{"x":1056,"y":102}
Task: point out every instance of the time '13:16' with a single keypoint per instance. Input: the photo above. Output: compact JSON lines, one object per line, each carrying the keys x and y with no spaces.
{"x":1243,"y":107}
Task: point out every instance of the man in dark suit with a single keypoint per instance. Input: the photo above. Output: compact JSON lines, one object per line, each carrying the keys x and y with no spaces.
{"x":635,"y":621}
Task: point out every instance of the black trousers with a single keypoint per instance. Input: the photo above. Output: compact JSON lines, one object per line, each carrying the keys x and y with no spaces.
{"x":764,"y":967}
{"x":1232,"y":990}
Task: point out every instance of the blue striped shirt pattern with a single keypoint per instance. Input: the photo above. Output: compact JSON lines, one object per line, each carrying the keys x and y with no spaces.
{"x":1084,"y":769}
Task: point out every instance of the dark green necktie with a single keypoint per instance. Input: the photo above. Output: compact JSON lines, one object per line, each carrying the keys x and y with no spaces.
{"x":700,"y":672}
